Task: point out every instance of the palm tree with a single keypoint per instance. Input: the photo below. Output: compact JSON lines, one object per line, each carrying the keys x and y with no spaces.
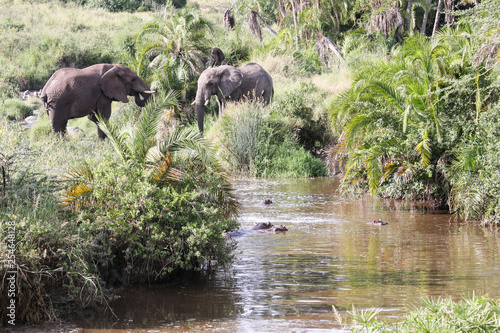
{"x":397,"y":99}
{"x":426,"y":5}
{"x":438,"y":14}
{"x":144,"y":147}
{"x":178,"y":33}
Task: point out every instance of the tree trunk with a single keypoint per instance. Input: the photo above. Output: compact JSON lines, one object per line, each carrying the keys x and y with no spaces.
{"x":449,"y":5}
{"x":424,"y":20}
{"x":324,"y":43}
{"x":253,"y":24}
{"x":228,"y":20}
{"x":438,"y":13}
{"x":408,"y":16}
{"x":295,"y":22}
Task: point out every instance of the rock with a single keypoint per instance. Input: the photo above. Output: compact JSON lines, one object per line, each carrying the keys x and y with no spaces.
{"x":29,"y":122}
{"x":74,"y":131}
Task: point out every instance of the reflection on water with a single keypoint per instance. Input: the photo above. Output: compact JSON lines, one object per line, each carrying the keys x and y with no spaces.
{"x":332,"y":255}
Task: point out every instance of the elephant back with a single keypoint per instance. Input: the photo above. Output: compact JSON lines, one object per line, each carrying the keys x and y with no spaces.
{"x":259,"y":82}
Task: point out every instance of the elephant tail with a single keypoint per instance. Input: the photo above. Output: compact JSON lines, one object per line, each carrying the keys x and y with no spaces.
{"x":44,"y":98}
{"x":272,"y":95}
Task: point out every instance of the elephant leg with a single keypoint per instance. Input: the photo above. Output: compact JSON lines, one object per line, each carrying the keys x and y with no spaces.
{"x":104,"y":109}
{"x":94,"y":119}
{"x":57,"y":122}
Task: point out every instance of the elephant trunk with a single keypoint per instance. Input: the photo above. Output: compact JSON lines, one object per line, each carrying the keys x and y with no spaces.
{"x":200,"y":114}
{"x":201,"y":101}
{"x":142,"y":98}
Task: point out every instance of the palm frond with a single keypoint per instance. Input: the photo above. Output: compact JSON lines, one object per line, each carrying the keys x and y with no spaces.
{"x":164,"y":173}
{"x":374,"y":168}
{"x":190,"y":139}
{"x":390,"y":168}
{"x":117,"y":139}
{"x":227,"y":200}
{"x":389,"y":92}
{"x":424,"y":150}
{"x":81,"y":172}
{"x":145,"y":130}
{"x":358,"y":125}
{"x":78,"y":196}
{"x":80,"y":193}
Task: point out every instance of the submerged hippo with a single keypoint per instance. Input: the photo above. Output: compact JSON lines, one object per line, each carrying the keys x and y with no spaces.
{"x":269,"y":226}
{"x":262,"y":226}
{"x":266,"y":202}
{"x":380,"y":222}
{"x":280,"y":228}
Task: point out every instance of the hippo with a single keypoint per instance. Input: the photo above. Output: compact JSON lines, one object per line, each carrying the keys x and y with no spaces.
{"x":266,"y":202}
{"x":262,"y":226}
{"x":280,"y":228}
{"x":380,"y":222}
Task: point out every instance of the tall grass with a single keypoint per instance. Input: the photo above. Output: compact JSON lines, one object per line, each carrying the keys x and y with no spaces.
{"x":471,"y":314}
{"x":262,"y":142}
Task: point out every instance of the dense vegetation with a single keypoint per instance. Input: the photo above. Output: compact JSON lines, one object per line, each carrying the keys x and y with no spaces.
{"x":410,"y":110}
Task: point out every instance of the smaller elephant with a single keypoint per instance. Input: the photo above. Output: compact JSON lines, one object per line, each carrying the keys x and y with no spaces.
{"x":217,"y":57}
{"x":74,"y":93}
{"x":229,"y":83}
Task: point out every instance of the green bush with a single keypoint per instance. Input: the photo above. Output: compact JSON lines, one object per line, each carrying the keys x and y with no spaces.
{"x":258,"y":144}
{"x":287,"y":160}
{"x":42,"y":128}
{"x":15,"y":109}
{"x":125,"y":226}
{"x":144,"y":233}
{"x":296,"y":109}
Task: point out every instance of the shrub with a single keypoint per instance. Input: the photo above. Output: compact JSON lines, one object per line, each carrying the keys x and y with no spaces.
{"x":127,"y":227}
{"x":296,"y":109}
{"x":145,"y":233}
{"x":42,"y":128}
{"x":287,"y":160}
{"x":15,"y":109}
{"x":255,"y":143}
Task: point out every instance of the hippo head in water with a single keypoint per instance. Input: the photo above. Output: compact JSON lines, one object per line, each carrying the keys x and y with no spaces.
{"x":279,"y":228}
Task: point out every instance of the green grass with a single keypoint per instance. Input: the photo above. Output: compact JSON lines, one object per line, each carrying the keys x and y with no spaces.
{"x":471,"y":314}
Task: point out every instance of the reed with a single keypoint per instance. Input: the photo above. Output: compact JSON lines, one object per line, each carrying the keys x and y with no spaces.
{"x":470,"y":314}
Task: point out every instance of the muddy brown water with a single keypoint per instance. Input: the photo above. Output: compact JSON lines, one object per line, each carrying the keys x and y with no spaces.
{"x":331,"y":255}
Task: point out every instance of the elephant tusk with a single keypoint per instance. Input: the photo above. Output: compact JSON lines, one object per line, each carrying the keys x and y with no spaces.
{"x":194,"y":103}
{"x":148,"y":92}
{"x":207,"y":101}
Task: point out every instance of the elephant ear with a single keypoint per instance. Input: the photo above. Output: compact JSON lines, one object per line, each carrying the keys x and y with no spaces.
{"x":230,"y":79}
{"x":112,"y":85}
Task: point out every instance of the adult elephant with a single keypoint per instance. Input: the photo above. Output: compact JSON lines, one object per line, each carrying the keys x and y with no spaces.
{"x":74,"y":93}
{"x":234,"y":84}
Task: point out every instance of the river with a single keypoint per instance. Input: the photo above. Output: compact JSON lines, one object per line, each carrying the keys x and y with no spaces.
{"x":332,"y":254}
